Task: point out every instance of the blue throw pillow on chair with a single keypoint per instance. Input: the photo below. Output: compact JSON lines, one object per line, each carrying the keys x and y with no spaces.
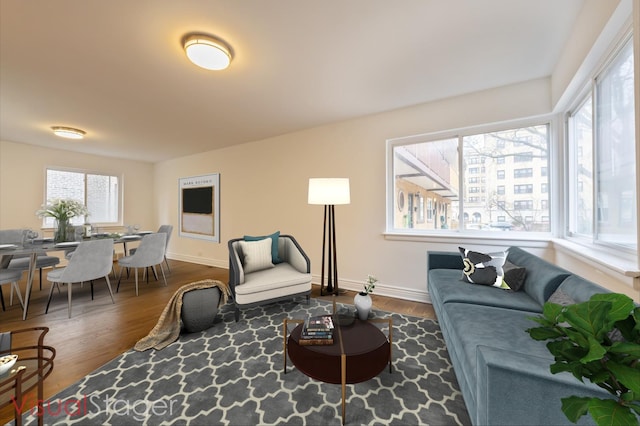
{"x":275,"y":257}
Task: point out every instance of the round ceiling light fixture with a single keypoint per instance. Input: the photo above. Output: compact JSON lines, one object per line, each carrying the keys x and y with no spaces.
{"x":207,"y":51}
{"x":68,"y":132}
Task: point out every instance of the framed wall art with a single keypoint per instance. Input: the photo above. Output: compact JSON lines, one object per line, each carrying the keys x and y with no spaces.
{"x":200,"y":207}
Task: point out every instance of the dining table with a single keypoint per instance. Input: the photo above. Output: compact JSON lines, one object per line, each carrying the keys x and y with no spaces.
{"x":33,"y":248}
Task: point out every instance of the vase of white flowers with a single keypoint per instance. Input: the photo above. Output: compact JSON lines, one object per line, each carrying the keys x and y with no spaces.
{"x":62,"y":211}
{"x":363,"y":301}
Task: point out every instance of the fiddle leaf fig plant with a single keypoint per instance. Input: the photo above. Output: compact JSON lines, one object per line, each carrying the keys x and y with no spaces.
{"x":597,"y":340}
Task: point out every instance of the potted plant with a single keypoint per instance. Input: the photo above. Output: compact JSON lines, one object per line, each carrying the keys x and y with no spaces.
{"x":62,"y":210}
{"x":362,"y":301}
{"x":598,"y":340}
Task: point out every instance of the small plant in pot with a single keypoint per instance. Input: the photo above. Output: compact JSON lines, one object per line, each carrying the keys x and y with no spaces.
{"x":363,"y":301}
{"x":598,"y":340}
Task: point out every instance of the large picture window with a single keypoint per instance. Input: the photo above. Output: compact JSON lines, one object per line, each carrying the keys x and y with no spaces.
{"x":465,"y":197}
{"x":99,"y":192}
{"x":601,"y":146}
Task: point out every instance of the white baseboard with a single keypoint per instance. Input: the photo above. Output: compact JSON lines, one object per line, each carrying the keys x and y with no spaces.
{"x":199,"y":260}
{"x":383,"y":290}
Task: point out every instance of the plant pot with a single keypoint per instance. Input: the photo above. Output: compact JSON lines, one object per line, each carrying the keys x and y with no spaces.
{"x":363,"y":303}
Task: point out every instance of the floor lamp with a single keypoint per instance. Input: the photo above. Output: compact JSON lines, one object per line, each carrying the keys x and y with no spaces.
{"x":329,"y":192}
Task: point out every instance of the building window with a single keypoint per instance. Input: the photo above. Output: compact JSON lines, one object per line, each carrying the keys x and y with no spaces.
{"x":523,"y":173}
{"x":523,"y":157}
{"x":601,"y":147}
{"x":544,"y":188}
{"x":99,"y":192}
{"x":523,"y":189}
{"x":523,"y":205}
{"x":419,"y":164}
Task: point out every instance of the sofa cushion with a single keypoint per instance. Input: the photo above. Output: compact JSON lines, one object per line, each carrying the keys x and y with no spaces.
{"x":281,"y":280}
{"x":471,"y":326}
{"x":275,"y":257}
{"x":445,"y":286}
{"x":543,"y":278}
{"x":257,"y":255}
{"x":514,"y":385}
{"x":483,"y":268}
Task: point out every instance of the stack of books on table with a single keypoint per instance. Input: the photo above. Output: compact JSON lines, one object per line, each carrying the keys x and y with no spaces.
{"x":317,"y":330}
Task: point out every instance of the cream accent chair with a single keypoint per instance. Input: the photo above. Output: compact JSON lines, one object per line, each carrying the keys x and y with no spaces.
{"x":286,"y":280}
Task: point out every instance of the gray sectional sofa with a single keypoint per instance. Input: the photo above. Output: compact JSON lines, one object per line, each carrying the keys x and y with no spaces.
{"x":503,"y":373}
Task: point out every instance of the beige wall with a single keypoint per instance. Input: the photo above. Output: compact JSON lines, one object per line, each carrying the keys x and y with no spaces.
{"x":22,"y":183}
{"x":264,"y":186}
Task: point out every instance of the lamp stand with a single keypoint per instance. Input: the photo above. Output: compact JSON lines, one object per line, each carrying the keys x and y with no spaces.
{"x":329,"y":232}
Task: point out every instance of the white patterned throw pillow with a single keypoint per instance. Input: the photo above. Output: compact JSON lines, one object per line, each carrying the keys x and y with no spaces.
{"x":482,"y":268}
{"x":257,"y":255}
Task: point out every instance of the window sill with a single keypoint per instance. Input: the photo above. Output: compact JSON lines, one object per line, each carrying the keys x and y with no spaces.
{"x":490,"y":239}
{"x":621,"y":263}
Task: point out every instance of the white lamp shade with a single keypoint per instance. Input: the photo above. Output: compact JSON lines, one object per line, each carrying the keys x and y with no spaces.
{"x":329,"y":191}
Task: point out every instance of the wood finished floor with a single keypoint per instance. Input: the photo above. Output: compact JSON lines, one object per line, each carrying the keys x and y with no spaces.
{"x":99,"y":331}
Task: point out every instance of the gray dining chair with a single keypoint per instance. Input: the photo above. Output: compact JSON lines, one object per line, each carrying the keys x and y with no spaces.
{"x":8,"y":276}
{"x":21,"y":261}
{"x":91,"y":260}
{"x":149,"y":253}
{"x":165,"y":229}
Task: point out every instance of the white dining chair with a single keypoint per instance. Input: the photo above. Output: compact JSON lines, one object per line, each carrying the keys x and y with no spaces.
{"x":149,"y":253}
{"x":166,"y":229}
{"x":10,"y":276}
{"x":91,"y":260}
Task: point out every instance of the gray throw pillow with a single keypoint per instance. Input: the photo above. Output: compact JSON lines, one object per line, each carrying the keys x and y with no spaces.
{"x":514,"y":276}
{"x":559,"y":297}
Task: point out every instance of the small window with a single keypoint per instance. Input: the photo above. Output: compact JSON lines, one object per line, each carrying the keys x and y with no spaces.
{"x":100,"y":193}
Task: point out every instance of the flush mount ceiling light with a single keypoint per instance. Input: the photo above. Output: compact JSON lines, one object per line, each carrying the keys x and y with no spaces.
{"x":207,"y":51}
{"x":68,"y":132}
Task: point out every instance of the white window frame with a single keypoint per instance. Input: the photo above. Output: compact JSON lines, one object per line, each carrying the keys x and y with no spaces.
{"x":120,"y":195}
{"x":591,"y":242}
{"x":462,"y":234}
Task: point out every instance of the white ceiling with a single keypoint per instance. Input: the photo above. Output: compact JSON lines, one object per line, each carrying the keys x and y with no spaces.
{"x":117,"y":70}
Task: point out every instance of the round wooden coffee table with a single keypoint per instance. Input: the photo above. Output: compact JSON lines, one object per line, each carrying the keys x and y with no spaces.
{"x":360,"y":352}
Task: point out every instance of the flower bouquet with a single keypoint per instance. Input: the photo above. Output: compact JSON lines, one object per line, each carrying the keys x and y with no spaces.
{"x":62,"y":210}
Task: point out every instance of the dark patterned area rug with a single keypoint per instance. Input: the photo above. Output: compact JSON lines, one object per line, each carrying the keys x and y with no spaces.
{"x":232,"y":374}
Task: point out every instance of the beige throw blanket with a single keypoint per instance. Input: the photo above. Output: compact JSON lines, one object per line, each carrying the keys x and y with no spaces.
{"x":167,"y":329}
